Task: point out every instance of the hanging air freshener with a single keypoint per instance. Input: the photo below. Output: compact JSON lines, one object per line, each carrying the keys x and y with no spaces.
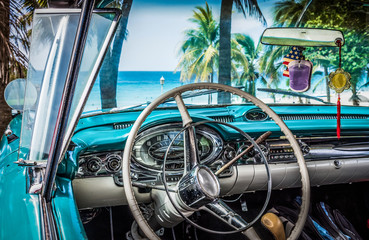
{"x":300,"y":75}
{"x":339,"y":81}
{"x":295,"y":53}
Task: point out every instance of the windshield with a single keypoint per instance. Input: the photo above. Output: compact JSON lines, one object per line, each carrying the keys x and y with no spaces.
{"x":53,"y":37}
{"x":168,"y":44}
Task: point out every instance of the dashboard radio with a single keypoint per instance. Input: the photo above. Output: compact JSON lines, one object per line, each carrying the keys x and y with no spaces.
{"x":282,"y":151}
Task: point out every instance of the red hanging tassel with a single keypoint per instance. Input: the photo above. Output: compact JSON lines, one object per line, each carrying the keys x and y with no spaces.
{"x":339,"y":116}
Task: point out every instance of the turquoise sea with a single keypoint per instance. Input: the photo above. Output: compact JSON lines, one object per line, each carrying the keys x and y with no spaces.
{"x":135,"y":87}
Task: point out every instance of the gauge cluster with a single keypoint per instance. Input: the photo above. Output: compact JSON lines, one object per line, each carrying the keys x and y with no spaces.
{"x":100,"y":164}
{"x":151,"y":147}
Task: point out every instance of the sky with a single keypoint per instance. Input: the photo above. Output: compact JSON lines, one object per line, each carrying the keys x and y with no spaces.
{"x":155,"y":31}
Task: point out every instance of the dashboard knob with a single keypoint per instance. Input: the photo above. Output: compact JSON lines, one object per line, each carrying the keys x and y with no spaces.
{"x":113,"y":163}
{"x":304,"y":148}
{"x":229,"y":153}
{"x":94,"y":164}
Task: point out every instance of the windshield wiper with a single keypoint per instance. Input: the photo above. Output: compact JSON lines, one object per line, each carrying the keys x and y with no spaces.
{"x":295,"y":94}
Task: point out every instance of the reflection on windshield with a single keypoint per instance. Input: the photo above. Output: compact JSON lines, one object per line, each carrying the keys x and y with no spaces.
{"x":52,"y":41}
{"x":171,"y":45}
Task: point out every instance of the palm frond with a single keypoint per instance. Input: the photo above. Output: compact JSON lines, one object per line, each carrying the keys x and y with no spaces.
{"x":250,"y":7}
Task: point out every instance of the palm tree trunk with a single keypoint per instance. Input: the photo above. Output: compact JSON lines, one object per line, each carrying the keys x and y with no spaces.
{"x":225,"y":49}
{"x":253,"y":87}
{"x":110,"y":67}
{"x":327,"y":84}
{"x":355,"y":98}
{"x":210,"y":97}
{"x":5,"y":111}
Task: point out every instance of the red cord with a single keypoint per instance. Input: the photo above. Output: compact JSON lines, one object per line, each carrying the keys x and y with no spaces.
{"x":339,"y":44}
{"x":339,"y":117}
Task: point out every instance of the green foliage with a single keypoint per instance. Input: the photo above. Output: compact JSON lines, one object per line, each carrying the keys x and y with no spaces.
{"x":247,"y":68}
{"x":15,"y":21}
{"x":345,"y":15}
{"x":200,"y":52}
{"x":200,"y":48}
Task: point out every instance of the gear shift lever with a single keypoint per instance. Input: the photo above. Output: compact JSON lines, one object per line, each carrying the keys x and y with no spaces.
{"x":272,"y":222}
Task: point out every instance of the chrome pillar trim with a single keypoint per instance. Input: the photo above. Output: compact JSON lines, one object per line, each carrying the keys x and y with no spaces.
{"x":91,"y":80}
{"x":48,"y":221}
{"x":56,"y":151}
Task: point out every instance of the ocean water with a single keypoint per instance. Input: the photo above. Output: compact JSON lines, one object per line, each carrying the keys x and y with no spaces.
{"x":136,"y":87}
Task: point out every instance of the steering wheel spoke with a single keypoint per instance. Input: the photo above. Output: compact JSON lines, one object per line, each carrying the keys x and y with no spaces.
{"x":191,"y":152}
{"x":186,"y":118}
{"x":199,"y":187}
{"x":190,"y":141}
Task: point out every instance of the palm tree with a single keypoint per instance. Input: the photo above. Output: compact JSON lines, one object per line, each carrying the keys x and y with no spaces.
{"x":109,"y":69}
{"x":200,"y":48}
{"x":271,"y":67}
{"x":287,"y":12}
{"x":14,"y":45}
{"x":248,"y":62}
{"x":325,"y":62}
{"x":337,"y":15}
{"x":247,"y":7}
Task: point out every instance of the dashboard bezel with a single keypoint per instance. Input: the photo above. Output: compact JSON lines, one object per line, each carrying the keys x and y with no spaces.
{"x":206,"y":131}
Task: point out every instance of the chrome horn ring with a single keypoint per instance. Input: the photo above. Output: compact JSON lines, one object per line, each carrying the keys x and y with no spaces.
{"x":193,"y":204}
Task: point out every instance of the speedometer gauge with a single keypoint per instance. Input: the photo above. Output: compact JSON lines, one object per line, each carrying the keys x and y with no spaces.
{"x":151,"y":145}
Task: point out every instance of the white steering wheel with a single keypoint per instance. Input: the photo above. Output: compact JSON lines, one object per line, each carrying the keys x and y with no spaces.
{"x":205,"y":193}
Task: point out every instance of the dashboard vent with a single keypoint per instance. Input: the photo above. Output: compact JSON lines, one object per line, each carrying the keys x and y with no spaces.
{"x":118,"y":126}
{"x":223,"y":118}
{"x":285,"y":117}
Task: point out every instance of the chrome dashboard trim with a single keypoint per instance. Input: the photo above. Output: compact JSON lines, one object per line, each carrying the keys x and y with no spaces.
{"x":216,"y":140}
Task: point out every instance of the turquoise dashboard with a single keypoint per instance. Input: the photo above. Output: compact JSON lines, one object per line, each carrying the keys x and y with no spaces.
{"x":108,"y":131}
{"x":99,"y":141}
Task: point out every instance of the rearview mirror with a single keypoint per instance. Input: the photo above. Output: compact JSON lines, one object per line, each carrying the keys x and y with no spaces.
{"x":302,"y":37}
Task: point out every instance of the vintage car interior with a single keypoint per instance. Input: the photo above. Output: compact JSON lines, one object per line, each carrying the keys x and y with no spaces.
{"x":175,"y":160}
{"x":335,"y":166}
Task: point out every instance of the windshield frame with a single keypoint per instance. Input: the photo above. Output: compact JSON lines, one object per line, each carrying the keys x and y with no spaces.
{"x":66,"y":102}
